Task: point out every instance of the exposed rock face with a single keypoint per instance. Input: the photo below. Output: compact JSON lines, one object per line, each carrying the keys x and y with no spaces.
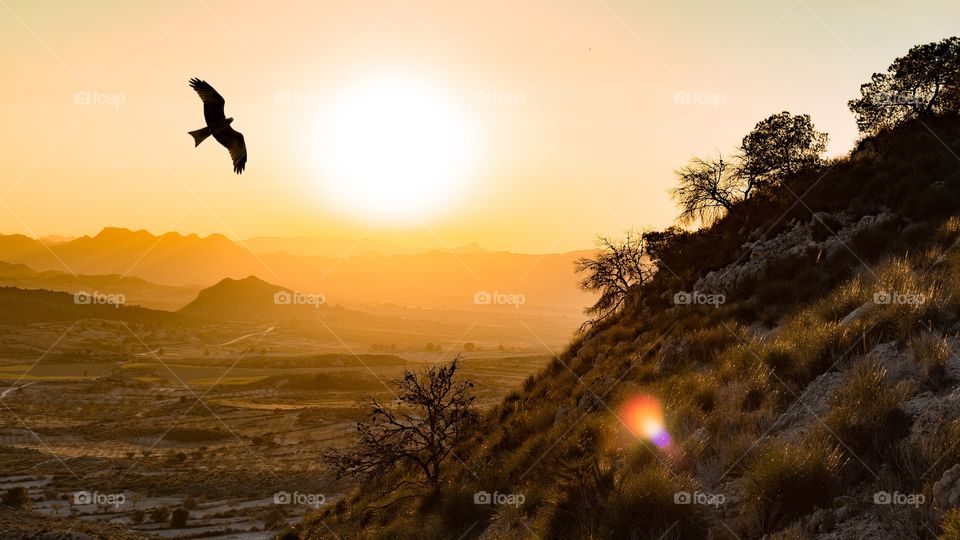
{"x":930,"y":411}
{"x":811,"y":405}
{"x":946,"y":492}
{"x":800,"y":239}
{"x":896,"y":361}
{"x":857,"y":314}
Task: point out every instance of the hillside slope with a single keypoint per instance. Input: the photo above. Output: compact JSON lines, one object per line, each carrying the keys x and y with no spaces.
{"x":819,"y":399}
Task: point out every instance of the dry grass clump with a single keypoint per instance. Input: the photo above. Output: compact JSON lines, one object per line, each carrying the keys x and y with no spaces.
{"x":865,"y":416}
{"x":785,"y":481}
{"x":931,"y":350}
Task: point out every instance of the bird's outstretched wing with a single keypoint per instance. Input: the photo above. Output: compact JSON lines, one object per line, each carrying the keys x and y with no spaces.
{"x":233,"y":141}
{"x":213,"y":102}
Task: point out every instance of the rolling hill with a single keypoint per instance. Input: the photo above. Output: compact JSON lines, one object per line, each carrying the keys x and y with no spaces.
{"x":252,"y":298}
{"x":26,"y":306}
{"x":137,"y":291}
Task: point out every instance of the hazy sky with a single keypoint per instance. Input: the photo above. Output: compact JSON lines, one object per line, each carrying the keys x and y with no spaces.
{"x":576,"y":112}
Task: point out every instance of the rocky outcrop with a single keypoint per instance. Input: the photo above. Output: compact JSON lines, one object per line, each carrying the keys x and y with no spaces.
{"x":824,"y":235}
{"x":946,"y":492}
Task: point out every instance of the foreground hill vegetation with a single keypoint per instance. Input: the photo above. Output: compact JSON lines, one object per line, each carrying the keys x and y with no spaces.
{"x":816,"y":396}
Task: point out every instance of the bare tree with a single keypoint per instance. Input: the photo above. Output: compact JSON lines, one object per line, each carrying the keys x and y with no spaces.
{"x":617,"y":270}
{"x":709,"y":189}
{"x":431,"y":416}
{"x":779,"y":146}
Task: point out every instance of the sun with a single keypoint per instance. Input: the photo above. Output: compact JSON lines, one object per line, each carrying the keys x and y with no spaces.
{"x":395,"y":150}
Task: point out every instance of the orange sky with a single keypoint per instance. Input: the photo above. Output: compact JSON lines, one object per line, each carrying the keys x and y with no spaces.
{"x":584,"y":142}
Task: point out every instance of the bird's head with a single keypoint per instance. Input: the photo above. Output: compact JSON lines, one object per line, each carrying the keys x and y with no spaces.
{"x":229,"y":121}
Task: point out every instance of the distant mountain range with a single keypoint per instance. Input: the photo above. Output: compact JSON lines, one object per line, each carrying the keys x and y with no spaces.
{"x":372,"y":272}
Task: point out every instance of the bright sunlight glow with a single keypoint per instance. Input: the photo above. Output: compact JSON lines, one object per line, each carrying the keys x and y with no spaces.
{"x":394,"y":150}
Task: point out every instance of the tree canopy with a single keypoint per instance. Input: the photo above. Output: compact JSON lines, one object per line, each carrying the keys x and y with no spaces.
{"x":779,"y":146}
{"x":924,"y":82}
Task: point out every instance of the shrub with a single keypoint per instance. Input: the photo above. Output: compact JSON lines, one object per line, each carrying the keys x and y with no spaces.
{"x":865,"y":414}
{"x":786,"y":481}
{"x":926,"y":457}
{"x":806,"y":347}
{"x":17,"y":497}
{"x":160,"y":514}
{"x":644,"y":507}
{"x":274,"y":518}
{"x":921,"y":294}
{"x":178,"y":519}
{"x":704,"y":344}
{"x":931,"y":350}
{"x":779,"y":359}
{"x":951,"y":525}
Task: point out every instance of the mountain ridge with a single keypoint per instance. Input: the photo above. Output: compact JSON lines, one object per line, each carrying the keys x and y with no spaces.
{"x":192,"y":261}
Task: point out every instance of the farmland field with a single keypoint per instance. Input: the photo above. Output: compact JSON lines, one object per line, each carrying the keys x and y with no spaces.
{"x":116,"y":435}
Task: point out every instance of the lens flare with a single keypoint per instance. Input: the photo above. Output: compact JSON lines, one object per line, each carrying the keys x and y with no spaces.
{"x":643,"y":416}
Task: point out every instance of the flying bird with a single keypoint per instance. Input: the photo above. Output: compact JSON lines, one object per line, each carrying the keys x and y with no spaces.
{"x":218,"y":125}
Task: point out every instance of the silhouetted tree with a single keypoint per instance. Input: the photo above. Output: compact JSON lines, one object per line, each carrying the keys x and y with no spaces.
{"x":617,"y":270}
{"x":709,"y":189}
{"x":431,"y":416}
{"x":924,"y":82}
{"x":779,"y":146}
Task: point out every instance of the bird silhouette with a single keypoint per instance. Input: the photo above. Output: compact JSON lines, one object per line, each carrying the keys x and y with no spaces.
{"x":218,"y":125}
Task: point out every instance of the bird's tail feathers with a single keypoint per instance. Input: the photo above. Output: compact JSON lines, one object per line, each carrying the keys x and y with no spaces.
{"x":199,"y":135}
